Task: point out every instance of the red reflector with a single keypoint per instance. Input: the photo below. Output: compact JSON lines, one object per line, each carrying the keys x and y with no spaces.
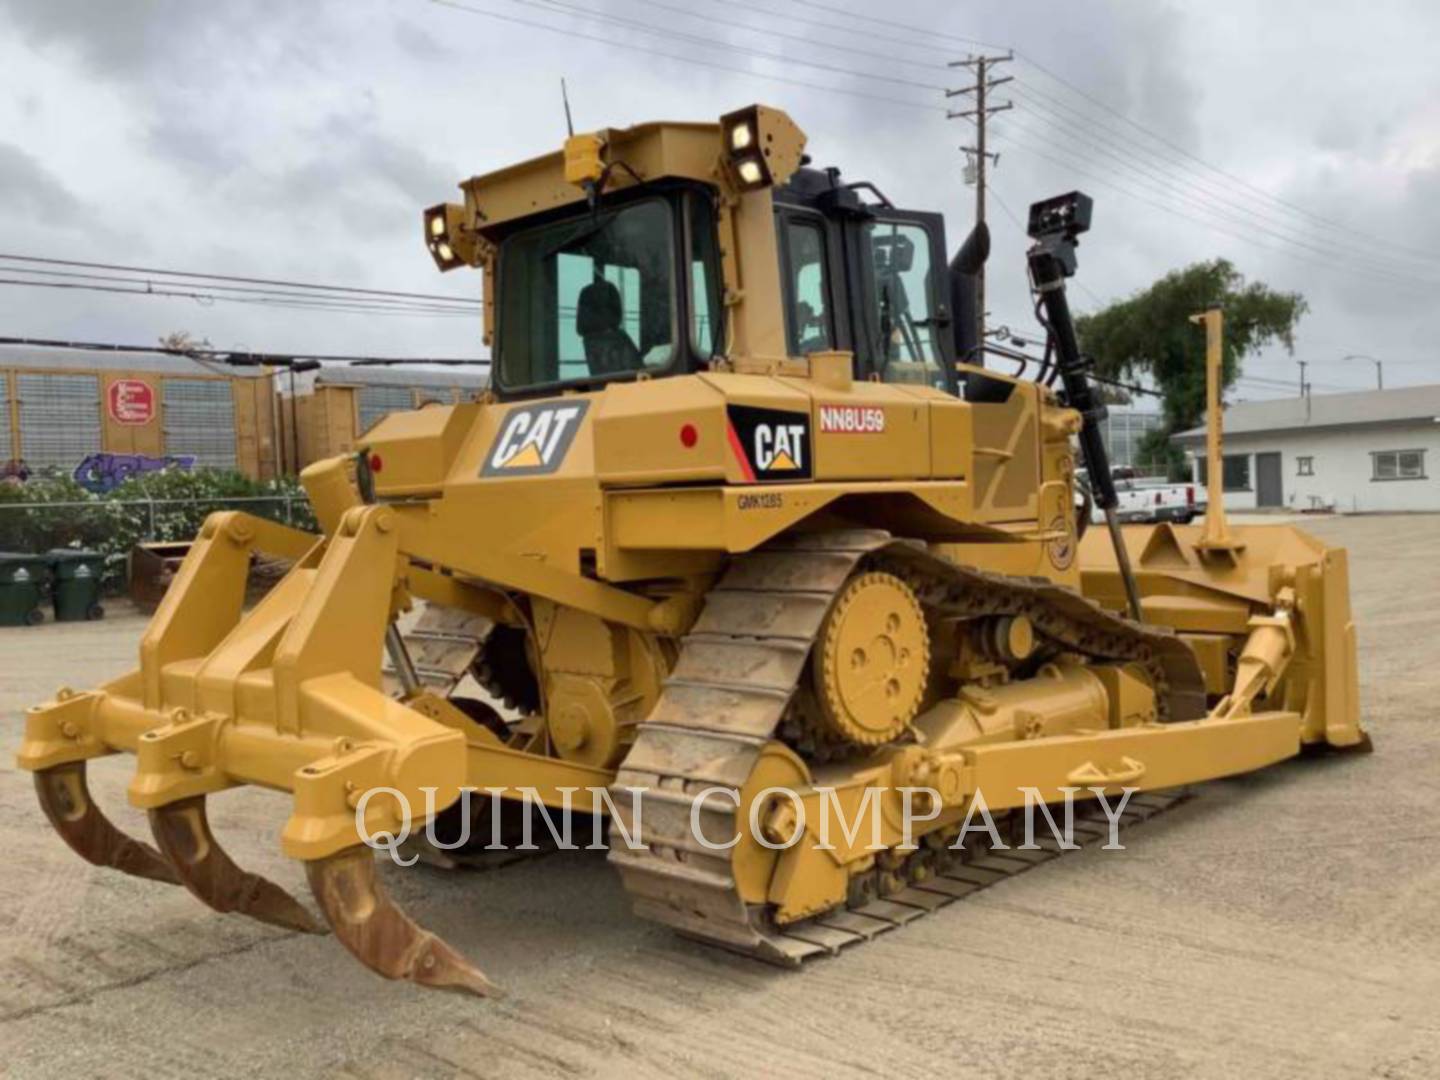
{"x":375,"y":463}
{"x":1157,"y":498}
{"x":1189,"y":496}
{"x":689,"y":436}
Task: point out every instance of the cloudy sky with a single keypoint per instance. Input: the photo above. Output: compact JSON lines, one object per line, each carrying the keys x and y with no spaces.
{"x":1299,"y":138}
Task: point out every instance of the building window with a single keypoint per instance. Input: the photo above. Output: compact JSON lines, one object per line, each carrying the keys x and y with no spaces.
{"x":1236,"y":471}
{"x":1304,"y":466}
{"x":1397,"y":464}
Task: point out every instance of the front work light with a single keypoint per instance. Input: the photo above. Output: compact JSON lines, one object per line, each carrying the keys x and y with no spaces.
{"x":445,"y":236}
{"x":762,"y":146}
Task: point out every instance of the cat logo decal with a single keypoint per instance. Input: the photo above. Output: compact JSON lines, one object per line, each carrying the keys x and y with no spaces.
{"x":770,"y":444}
{"x":534,"y":439}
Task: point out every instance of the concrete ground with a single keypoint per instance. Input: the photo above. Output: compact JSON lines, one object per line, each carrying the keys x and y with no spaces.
{"x":1280,"y":924}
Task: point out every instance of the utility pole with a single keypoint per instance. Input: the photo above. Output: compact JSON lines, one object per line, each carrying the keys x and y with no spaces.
{"x":980,"y":114}
{"x":1304,"y":387}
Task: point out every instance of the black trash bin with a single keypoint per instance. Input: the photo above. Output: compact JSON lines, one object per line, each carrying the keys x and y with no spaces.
{"x":76,"y":586}
{"x":21,"y":578}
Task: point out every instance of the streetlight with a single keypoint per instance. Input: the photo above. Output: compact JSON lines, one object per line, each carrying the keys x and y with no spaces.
{"x":1379,"y":371}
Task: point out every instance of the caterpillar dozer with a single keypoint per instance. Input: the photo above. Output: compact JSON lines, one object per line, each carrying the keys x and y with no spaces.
{"x":748,"y":530}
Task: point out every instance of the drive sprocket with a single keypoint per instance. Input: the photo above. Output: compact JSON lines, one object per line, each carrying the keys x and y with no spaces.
{"x":503,"y":668}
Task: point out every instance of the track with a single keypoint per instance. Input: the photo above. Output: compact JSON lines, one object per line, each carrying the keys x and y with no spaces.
{"x":734,"y":682}
{"x":444,"y":644}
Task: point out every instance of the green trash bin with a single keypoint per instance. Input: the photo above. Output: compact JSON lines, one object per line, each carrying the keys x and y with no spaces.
{"x":76,"y":588}
{"x":21,"y":579}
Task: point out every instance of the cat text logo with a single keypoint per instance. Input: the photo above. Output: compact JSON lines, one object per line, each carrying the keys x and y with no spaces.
{"x":534,"y":439}
{"x":780,"y":447}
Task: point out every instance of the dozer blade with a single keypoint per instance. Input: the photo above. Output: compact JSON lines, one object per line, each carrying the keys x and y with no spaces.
{"x":65,"y":798}
{"x":380,"y":935}
{"x":182,"y":831}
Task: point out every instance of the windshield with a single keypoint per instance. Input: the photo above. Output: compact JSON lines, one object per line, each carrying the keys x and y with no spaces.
{"x":906,"y":347}
{"x":588,"y":297}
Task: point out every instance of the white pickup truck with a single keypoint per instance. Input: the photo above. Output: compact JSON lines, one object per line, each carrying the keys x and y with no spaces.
{"x":1151,"y":501}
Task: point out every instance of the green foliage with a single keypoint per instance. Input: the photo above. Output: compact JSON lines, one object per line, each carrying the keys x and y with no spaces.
{"x":43,"y":529}
{"x":1151,"y":333}
{"x":168,"y":505}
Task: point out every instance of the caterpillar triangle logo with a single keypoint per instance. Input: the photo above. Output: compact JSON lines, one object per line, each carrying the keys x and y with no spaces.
{"x":782,"y":460}
{"x":534,"y":439}
{"x":526,"y":458}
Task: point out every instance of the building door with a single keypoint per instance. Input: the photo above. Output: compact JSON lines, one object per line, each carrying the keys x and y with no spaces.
{"x":1268,"y":486}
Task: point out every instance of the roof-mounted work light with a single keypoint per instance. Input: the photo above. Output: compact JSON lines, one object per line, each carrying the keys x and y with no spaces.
{"x":761,"y":146}
{"x":445,"y":236}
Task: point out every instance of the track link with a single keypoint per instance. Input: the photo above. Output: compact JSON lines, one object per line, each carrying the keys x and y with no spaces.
{"x":733,"y":683}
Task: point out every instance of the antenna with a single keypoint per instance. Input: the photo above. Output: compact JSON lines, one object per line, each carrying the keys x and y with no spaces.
{"x":565,"y":97}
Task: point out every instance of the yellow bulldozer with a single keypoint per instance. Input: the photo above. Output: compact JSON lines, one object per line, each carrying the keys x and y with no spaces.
{"x":745,"y":537}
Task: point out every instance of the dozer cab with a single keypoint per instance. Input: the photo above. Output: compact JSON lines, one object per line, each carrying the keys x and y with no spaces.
{"x":745,"y":542}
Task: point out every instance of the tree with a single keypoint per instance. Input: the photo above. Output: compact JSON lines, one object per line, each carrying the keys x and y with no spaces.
{"x":1151,"y":333}
{"x":183,"y":341}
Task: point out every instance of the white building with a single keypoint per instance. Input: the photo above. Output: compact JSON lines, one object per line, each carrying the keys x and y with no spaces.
{"x":1375,"y":450}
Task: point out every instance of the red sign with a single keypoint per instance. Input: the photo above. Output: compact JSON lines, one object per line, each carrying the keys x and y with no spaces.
{"x":130,"y":401}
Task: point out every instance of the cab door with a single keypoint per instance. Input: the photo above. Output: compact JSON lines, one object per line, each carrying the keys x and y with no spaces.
{"x":901,"y":300}
{"x":816,"y":315}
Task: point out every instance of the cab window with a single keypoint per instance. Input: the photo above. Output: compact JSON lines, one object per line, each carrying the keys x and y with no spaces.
{"x":587,"y":297}
{"x":707,"y":307}
{"x":808,"y":286}
{"x":907,"y":349}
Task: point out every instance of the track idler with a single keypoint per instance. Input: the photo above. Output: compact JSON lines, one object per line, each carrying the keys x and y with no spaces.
{"x":65,"y":797}
{"x":380,"y":935}
{"x":182,"y":831}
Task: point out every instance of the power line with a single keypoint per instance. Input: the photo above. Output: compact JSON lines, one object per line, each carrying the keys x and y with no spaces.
{"x":1203,"y":202}
{"x":1204,"y":205}
{"x":307,"y":298}
{"x":1008,"y":212}
{"x":1026,"y":58}
{"x":1202,"y":162}
{"x":336,"y":306}
{"x":240,"y":280}
{"x":768,"y":32}
{"x":245,"y":357}
{"x":927,"y":31}
{"x":1134,"y":155}
{"x":613,"y":43}
{"x":562,"y":7}
{"x":1110,"y":182}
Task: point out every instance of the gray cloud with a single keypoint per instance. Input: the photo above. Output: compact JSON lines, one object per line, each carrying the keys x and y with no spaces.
{"x":29,"y":190}
{"x":302,"y":140}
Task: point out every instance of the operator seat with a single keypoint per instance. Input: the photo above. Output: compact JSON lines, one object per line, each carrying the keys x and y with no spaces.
{"x":608,"y":349}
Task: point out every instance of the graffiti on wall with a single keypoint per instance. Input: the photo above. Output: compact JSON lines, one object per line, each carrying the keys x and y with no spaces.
{"x":104,"y":472}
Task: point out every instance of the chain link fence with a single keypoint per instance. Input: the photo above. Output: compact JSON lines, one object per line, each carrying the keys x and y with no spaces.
{"x":113,"y":525}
